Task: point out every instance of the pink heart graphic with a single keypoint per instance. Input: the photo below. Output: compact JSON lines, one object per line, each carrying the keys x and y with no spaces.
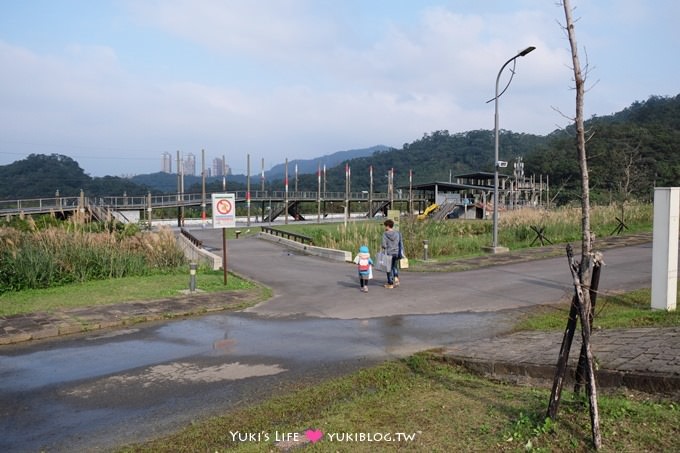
{"x":314,"y":435}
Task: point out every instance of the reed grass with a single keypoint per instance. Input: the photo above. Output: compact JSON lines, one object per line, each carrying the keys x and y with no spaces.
{"x":460,"y":238}
{"x":41,"y":258}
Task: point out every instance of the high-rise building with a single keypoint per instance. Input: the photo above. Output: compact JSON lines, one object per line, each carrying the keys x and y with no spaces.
{"x":190,"y":165}
{"x":166,"y":163}
{"x":218,"y":167}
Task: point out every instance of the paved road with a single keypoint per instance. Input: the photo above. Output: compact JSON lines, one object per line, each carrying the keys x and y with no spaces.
{"x":310,"y":286}
{"x":100,"y":390}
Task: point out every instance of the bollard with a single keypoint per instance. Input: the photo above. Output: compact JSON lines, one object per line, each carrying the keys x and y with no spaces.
{"x":192,"y":277}
{"x":426,"y":244}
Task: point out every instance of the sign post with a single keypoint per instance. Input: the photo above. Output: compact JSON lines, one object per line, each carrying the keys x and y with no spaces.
{"x":224,"y":216}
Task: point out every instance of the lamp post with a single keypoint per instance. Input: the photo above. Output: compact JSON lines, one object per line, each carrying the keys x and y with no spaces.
{"x":497,"y":163}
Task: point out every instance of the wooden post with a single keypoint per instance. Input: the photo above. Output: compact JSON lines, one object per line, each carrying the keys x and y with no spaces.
{"x":594,"y":285}
{"x":563,"y":358}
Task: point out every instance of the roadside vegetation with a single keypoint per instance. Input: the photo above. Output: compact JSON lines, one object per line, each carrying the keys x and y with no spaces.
{"x":452,"y":239}
{"x":125,"y":289}
{"x":617,"y":311}
{"x":47,"y":265}
{"x":48,"y":253}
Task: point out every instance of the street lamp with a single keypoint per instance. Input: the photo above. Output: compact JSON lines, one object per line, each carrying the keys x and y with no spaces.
{"x":498,"y":163}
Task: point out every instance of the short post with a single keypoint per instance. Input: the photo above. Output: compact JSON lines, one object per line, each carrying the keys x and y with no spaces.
{"x":426,"y":245}
{"x":192,"y":277}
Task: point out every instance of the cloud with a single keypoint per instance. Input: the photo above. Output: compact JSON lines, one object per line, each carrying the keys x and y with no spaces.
{"x":296,"y":78}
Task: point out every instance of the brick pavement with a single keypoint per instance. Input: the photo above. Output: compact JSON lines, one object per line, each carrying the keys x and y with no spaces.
{"x":646,"y":359}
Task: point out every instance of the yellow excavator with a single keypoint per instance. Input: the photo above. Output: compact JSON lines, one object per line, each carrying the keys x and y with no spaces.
{"x":429,"y":210}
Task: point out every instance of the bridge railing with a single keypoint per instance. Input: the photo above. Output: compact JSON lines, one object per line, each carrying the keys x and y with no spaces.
{"x":119,"y":203}
{"x":136,"y":202}
{"x":39,"y":204}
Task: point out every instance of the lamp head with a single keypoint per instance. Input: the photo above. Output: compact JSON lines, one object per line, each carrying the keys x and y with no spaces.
{"x":526,"y":51}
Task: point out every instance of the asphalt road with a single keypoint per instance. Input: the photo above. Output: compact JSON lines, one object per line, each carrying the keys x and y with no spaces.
{"x":95,"y":392}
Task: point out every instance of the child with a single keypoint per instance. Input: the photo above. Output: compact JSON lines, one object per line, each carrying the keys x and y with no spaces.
{"x":364,"y":262}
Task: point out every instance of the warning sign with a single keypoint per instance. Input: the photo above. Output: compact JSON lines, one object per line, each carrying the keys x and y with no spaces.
{"x":224,"y":210}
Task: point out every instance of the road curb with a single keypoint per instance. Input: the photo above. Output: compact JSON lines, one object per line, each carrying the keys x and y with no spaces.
{"x":543,"y":375}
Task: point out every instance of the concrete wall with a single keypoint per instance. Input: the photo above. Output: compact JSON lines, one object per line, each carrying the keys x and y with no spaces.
{"x":198,"y":255}
{"x":331,"y":254}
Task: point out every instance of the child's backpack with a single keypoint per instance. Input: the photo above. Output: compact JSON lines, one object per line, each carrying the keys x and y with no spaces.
{"x":364,"y":264}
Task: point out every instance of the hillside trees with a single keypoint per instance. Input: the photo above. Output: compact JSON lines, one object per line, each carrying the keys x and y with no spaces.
{"x":42,"y":175}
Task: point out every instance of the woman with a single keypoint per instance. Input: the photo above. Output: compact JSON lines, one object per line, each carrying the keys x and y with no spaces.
{"x":392,"y":245}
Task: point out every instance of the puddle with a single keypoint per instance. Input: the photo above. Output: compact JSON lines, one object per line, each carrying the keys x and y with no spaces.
{"x":239,"y":336}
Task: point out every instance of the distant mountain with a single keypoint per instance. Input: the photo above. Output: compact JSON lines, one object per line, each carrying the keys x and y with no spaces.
{"x":167,"y":182}
{"x":306,"y":166}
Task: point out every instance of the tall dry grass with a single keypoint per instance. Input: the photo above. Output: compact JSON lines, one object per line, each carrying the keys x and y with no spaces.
{"x":458,"y":238}
{"x":564,"y":224}
{"x":56,"y":256}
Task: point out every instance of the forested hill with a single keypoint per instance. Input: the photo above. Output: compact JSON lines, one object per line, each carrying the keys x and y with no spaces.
{"x":42,"y":175}
{"x":434,"y":157}
{"x":629,"y":153}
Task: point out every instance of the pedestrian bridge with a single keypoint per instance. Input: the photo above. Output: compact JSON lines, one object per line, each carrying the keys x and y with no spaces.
{"x":270,"y":203}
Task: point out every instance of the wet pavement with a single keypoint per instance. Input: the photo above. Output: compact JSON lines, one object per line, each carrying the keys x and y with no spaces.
{"x":95,"y":378}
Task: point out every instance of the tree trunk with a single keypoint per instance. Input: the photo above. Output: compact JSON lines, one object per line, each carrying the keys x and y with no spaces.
{"x":583,"y":279}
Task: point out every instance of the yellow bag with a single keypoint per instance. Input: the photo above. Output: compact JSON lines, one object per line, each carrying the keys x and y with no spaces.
{"x":403,"y":263}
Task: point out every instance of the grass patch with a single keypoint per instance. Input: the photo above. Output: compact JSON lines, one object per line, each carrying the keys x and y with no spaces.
{"x":440,"y":408}
{"x":630,"y":310}
{"x":111,"y":291}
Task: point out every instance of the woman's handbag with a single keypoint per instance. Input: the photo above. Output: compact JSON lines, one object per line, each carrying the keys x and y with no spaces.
{"x":403,"y":263}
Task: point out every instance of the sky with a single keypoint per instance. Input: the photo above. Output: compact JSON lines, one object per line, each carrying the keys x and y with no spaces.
{"x":116,"y":83}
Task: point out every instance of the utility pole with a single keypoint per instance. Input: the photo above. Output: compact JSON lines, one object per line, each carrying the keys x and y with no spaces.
{"x":248,"y":190}
{"x":179,"y":192}
{"x":285,"y":196}
{"x":370,"y":191}
{"x":203,"y":216}
{"x":318,"y":194}
{"x":262,"y":177}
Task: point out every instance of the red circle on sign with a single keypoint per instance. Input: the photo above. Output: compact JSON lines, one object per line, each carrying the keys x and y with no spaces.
{"x":223,"y":207}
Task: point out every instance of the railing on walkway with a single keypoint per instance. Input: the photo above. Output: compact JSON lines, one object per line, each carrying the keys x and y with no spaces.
{"x":193,"y":239}
{"x":122,"y":203}
{"x":288,"y":235}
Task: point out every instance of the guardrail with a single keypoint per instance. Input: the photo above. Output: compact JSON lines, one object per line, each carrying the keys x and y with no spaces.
{"x":193,"y":239}
{"x":288,"y":235}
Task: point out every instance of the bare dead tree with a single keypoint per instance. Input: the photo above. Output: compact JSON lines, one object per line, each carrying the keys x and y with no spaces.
{"x":581,"y":273}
